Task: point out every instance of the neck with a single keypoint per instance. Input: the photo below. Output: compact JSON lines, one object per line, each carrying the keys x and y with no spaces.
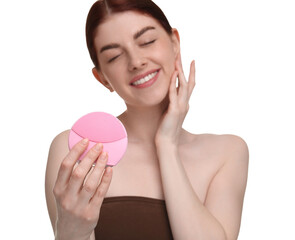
{"x":142,"y":123}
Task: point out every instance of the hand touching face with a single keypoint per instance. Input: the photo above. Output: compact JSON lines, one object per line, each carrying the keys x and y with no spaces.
{"x":172,"y":120}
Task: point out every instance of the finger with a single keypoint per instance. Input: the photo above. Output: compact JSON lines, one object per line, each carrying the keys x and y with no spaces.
{"x":103,"y":187}
{"x":79,"y":174}
{"x":172,"y":89}
{"x":69,"y":162}
{"x":179,"y":59}
{"x":93,"y":179}
{"x":191,"y":81}
{"x":183,"y":88}
{"x":179,"y":66}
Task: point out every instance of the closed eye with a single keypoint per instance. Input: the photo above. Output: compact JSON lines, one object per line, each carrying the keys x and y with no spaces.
{"x":147,"y":43}
{"x":144,"y":44}
{"x":112,"y":59}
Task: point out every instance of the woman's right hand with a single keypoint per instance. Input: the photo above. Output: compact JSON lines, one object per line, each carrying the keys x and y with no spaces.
{"x":79,"y":191}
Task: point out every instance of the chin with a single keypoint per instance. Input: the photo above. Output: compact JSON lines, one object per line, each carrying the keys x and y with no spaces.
{"x":157,"y":100}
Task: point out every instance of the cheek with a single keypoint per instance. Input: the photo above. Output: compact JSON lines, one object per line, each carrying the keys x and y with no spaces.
{"x":165,"y":54}
{"x":110,"y":74}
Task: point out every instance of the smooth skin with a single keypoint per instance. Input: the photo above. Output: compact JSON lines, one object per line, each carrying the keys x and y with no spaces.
{"x":202,"y":177}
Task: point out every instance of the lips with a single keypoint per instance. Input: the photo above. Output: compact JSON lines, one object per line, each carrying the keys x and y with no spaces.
{"x":136,"y":78}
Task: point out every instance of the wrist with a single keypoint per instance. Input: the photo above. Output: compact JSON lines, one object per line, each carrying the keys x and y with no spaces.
{"x":162,"y":139}
{"x":166,"y":147}
{"x":58,"y":237}
{"x":162,"y":142}
{"x":61,"y":234}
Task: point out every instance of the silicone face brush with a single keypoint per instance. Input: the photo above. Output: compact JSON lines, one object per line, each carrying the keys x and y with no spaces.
{"x":101,"y":127}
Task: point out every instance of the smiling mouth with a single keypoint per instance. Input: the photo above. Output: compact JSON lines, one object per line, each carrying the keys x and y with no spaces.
{"x":145,"y":79}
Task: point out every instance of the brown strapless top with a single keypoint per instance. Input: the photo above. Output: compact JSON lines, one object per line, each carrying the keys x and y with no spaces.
{"x":133,"y":218}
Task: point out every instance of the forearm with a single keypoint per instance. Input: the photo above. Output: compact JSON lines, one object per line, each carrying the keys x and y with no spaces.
{"x":189,"y":218}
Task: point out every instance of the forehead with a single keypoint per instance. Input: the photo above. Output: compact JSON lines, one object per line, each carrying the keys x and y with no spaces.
{"x":123,"y":25}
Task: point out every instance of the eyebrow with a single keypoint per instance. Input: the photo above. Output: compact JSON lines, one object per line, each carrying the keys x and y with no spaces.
{"x":109,"y":46}
{"x":142,"y":31}
{"x":136,"y":35}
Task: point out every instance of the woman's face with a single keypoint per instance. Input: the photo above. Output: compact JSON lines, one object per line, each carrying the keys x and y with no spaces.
{"x":132,"y":48}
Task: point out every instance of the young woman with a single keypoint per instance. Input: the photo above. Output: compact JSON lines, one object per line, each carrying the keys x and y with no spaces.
{"x":170,"y":184}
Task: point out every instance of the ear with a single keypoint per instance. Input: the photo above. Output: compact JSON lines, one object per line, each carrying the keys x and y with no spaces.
{"x":99,"y":76}
{"x":175,"y":41}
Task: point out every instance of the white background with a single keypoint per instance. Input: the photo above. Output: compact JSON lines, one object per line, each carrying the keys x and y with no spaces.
{"x":245,"y":60}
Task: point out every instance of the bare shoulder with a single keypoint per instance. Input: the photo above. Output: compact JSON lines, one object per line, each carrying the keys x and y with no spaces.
{"x":234,"y":148}
{"x":229,"y":156}
{"x":57,"y":152}
{"x":226,"y":146}
{"x":211,"y":158}
{"x":211,"y":152}
{"x":59,"y":142}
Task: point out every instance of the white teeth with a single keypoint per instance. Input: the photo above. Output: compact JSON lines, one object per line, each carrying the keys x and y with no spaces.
{"x":145,"y":79}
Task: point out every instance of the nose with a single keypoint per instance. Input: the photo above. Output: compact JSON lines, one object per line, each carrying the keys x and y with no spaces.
{"x":136,"y":60}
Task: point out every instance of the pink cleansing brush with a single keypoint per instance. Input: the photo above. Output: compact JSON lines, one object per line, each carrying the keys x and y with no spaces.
{"x":101,"y":127}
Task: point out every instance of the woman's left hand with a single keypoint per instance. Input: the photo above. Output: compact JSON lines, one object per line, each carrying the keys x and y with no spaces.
{"x":172,"y":120}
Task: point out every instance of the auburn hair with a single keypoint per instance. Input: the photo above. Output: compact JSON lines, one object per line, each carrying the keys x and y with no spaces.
{"x":101,"y":9}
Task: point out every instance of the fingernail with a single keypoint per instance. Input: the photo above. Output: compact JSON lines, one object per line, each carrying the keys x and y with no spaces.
{"x":104,"y":156}
{"x":98,"y":146}
{"x":109,"y":169}
{"x":85,"y":141}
